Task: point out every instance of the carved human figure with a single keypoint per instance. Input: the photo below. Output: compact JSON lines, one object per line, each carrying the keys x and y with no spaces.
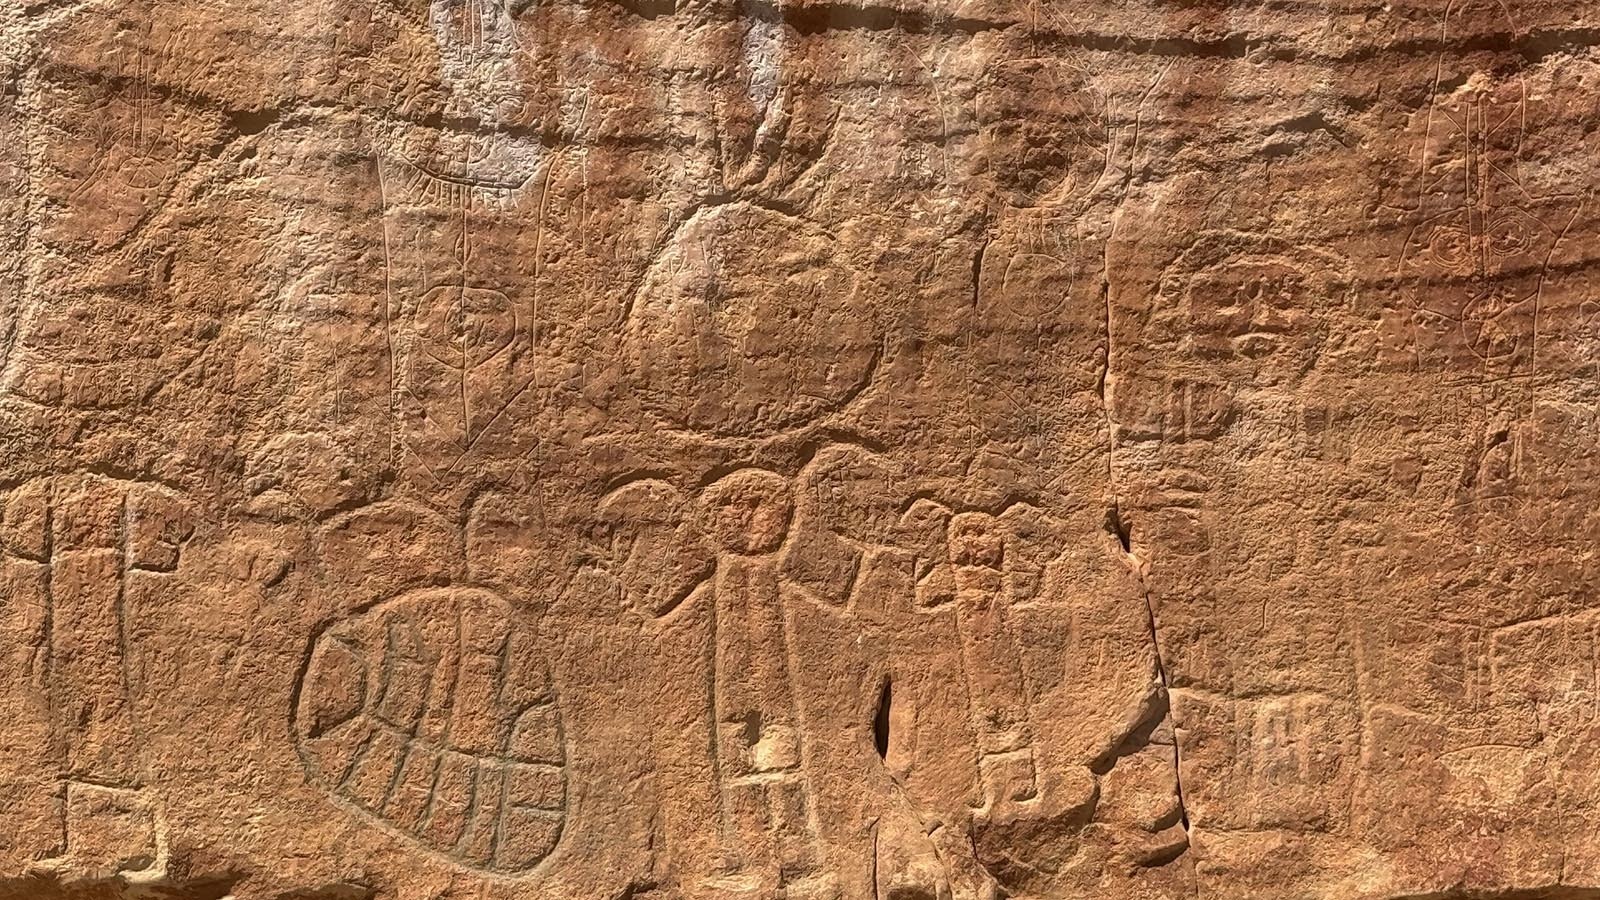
{"x":1479,"y":239}
{"x":718,"y":555}
{"x":104,"y":548}
{"x":1046,"y":145}
{"x":462,"y":315}
{"x":948,"y":601}
{"x":746,"y":516}
{"x":115,"y":332}
{"x":974,"y":582}
{"x":139,"y":146}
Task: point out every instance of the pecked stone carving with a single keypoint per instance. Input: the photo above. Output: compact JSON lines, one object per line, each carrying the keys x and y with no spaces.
{"x":810,"y":450}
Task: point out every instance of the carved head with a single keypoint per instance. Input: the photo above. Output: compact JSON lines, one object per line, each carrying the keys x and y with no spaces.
{"x":1042,"y":129}
{"x":484,"y":56}
{"x":1251,"y":303}
{"x":747,"y":512}
{"x":975,"y":541}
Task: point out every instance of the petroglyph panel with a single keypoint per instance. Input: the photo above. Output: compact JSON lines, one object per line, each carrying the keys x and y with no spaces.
{"x":805,"y":450}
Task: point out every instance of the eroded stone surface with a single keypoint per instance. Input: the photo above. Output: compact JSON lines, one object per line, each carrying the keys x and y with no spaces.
{"x":948,"y":450}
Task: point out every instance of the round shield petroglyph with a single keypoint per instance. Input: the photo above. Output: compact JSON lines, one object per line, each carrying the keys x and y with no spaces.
{"x":749,"y":325}
{"x":1481,"y":271}
{"x":432,"y":715}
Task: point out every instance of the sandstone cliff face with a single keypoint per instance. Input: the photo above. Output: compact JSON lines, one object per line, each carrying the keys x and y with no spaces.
{"x":937,"y":450}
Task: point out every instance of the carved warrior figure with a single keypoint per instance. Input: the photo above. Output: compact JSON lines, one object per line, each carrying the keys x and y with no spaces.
{"x":138,"y":145}
{"x":755,"y":552}
{"x":974,"y":580}
{"x":718,"y":554}
{"x":102,"y":551}
{"x":979,"y":574}
{"x":462,"y":317}
{"x":110,"y":335}
{"x":1048,"y":145}
{"x":1480,"y":239}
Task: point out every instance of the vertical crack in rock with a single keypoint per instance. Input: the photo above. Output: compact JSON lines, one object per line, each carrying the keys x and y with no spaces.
{"x":1166,"y":689}
{"x":876,"y":851}
{"x":881,"y":719}
{"x":1118,"y":526}
{"x":1122,"y":530}
{"x":977,"y":273}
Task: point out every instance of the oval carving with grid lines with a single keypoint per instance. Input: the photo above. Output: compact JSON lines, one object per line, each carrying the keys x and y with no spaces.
{"x":432,"y":715}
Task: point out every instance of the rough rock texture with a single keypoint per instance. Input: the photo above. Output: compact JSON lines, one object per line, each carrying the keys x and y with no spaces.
{"x":802,"y":449}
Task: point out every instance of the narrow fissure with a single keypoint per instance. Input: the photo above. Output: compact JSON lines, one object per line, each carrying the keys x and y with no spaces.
{"x":1166,"y":689}
{"x":880,"y":719}
{"x":1123,"y":532}
{"x":977,"y":273}
{"x":1118,"y":529}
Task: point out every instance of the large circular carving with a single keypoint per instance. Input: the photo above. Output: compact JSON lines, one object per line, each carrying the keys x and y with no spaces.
{"x":748,"y":324}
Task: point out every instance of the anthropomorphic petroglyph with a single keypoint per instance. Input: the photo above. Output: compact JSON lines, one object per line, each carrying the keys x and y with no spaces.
{"x":802,"y":450}
{"x":1480,"y":236}
{"x":104,"y":550}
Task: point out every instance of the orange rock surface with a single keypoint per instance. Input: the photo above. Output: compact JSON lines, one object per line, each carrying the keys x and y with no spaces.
{"x":799,"y":450}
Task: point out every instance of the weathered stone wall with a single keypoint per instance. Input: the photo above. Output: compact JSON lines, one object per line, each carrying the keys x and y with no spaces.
{"x":799,"y":449}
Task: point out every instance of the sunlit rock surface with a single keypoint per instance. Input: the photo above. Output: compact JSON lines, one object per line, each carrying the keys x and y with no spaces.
{"x":799,"y":450}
